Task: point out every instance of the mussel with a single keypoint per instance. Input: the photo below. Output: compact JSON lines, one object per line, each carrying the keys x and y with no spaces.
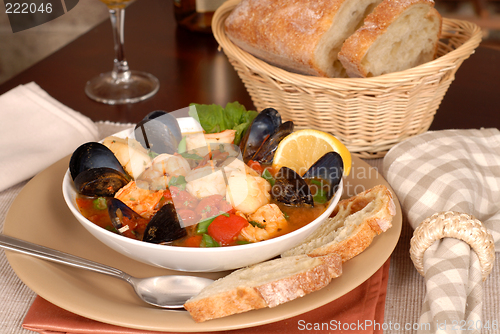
{"x":263,"y":126}
{"x":328,"y":168}
{"x":265,"y":153}
{"x":168,"y":119}
{"x":159,"y":132}
{"x":101,"y":181}
{"x":123,"y":217}
{"x":96,"y":171}
{"x":294,"y":190}
{"x":291,"y":189}
{"x":165,"y":226}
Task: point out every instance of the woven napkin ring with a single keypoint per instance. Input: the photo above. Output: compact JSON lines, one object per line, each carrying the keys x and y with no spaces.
{"x":453,"y":225}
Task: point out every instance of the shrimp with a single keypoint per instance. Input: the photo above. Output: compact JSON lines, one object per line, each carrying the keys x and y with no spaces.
{"x":265,"y":224}
{"x":206,"y":181}
{"x":143,"y":201}
{"x":162,"y":169}
{"x":132,"y":156}
{"x":247,"y":193}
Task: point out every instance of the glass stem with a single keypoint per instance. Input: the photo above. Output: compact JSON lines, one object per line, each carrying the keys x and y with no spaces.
{"x":121,"y":71}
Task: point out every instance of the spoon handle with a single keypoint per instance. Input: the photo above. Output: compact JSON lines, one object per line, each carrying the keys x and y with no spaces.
{"x":50,"y":254}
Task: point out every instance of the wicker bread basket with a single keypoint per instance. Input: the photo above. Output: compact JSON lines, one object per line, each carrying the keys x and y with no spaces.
{"x":369,"y":115}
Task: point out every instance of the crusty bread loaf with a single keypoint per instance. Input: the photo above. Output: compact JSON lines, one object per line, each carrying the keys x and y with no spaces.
{"x":266,"y":284}
{"x":302,"y":36}
{"x":356,"y":222}
{"x":396,"y":36}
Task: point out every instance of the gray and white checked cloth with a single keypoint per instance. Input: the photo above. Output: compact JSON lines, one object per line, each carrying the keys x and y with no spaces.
{"x":450,"y":170}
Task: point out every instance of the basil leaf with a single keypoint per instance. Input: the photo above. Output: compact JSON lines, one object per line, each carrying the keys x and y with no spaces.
{"x":213,"y":118}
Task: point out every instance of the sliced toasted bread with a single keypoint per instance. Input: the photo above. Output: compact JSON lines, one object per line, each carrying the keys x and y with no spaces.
{"x":356,"y":222}
{"x":265,"y":284}
{"x":302,"y":36}
{"x":396,"y":36}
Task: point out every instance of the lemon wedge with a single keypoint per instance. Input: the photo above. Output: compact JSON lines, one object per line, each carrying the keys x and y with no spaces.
{"x":301,"y":149}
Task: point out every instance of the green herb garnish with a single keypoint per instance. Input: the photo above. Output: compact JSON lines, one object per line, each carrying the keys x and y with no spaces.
{"x":100,"y":203}
{"x":208,"y":241}
{"x":268,"y":177}
{"x":182,"y":147}
{"x":257,"y":224}
{"x":192,"y":156}
{"x":214,"y":118}
{"x":178,"y":181}
{"x":202,"y":226}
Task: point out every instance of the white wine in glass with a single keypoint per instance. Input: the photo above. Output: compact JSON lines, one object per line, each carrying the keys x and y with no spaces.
{"x":121,"y":85}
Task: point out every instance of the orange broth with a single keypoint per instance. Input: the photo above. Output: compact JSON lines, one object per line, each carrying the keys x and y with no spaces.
{"x":296,"y":217}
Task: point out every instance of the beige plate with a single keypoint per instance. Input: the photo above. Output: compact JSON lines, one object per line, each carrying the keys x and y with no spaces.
{"x":40,"y":215}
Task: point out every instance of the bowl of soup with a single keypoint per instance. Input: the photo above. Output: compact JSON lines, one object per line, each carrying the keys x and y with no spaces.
{"x":199,"y":206}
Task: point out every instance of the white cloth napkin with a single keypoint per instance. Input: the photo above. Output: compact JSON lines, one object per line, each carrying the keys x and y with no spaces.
{"x":452,"y":170}
{"x":37,"y":130}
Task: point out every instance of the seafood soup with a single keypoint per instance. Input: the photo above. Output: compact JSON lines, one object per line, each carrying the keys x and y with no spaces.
{"x":194,"y":189}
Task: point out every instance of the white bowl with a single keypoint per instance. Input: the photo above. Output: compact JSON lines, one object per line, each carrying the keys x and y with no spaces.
{"x":189,"y":258}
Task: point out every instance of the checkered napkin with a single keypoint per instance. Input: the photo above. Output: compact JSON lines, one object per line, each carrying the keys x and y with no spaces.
{"x":451,"y":170}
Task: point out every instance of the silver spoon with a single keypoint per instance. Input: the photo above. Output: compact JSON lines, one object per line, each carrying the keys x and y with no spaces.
{"x":170,"y":291}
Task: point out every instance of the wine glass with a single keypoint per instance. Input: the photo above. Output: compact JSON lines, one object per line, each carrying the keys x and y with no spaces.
{"x":121,"y":85}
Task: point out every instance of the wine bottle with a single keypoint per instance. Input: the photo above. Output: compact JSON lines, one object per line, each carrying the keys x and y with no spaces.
{"x":196,"y":15}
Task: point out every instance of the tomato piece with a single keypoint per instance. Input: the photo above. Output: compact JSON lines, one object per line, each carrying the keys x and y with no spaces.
{"x":225,"y":229}
{"x":167,"y":195}
{"x":256,"y":166}
{"x":193,"y":241}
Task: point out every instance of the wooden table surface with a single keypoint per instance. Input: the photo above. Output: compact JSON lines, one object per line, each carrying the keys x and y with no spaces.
{"x":191,"y":69}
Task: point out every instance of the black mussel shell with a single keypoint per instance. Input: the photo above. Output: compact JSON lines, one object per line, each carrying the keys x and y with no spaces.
{"x":93,"y":155}
{"x":156,"y":136}
{"x":155,"y":114}
{"x":264,"y":125}
{"x":117,"y":210}
{"x":168,"y":119}
{"x":265,"y":154}
{"x":102,"y":181}
{"x":291,"y":189}
{"x":330,"y":168}
{"x":165,"y":226}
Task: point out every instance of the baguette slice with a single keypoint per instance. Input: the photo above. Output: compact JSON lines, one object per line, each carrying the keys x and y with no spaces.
{"x":266,"y":284}
{"x":396,"y":36}
{"x":356,"y":222}
{"x":302,"y":36}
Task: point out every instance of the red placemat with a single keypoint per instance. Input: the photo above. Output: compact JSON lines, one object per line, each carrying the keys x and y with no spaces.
{"x":359,"y":311}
